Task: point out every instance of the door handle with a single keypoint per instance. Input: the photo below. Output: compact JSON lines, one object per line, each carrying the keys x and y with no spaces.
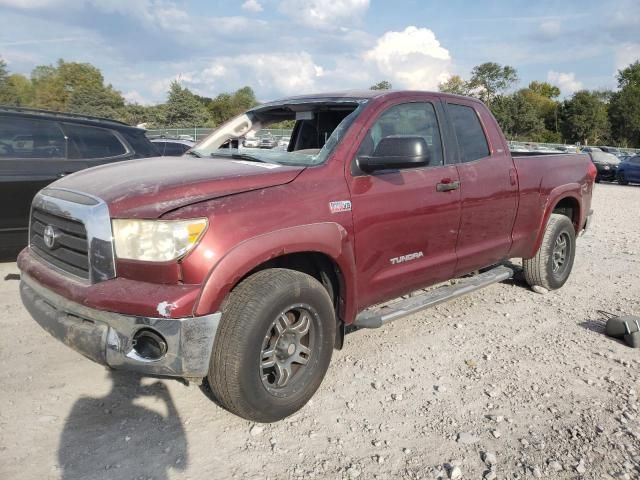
{"x":447,"y":186}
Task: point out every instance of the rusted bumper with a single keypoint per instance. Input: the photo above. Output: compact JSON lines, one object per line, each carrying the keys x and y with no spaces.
{"x":108,"y":337}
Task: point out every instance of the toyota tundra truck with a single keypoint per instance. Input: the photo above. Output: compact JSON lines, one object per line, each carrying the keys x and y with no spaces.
{"x":247,"y":266}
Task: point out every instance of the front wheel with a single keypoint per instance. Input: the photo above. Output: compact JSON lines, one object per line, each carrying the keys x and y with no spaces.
{"x":273,"y":346}
{"x":551,"y":266}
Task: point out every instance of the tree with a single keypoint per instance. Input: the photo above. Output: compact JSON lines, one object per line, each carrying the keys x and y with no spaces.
{"x":228,"y":105}
{"x":624,"y":109}
{"x":455,"y":85}
{"x":518,"y":117}
{"x":491,"y":79}
{"x":183,"y":109}
{"x":383,"y":85}
{"x":5,"y":95}
{"x":584,"y":119}
{"x":544,"y":89}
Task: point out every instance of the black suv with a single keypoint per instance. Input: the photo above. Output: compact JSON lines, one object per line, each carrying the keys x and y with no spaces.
{"x":37,"y":147}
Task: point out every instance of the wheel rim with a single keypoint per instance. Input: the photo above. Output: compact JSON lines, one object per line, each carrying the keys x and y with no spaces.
{"x":287,"y":348}
{"x":561,"y":252}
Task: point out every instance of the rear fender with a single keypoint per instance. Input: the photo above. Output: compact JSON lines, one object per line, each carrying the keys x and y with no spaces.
{"x":570,"y":190}
{"x":328,"y":238}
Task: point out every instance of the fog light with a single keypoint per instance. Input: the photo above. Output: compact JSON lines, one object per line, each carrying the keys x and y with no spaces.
{"x":149,"y":344}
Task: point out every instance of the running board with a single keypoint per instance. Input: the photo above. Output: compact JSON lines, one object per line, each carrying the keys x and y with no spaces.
{"x":378,"y":318}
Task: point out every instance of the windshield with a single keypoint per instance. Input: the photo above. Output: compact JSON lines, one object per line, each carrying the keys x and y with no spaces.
{"x":315,"y":129}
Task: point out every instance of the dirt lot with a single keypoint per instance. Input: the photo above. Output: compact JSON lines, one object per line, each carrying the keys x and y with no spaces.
{"x":507,"y":377}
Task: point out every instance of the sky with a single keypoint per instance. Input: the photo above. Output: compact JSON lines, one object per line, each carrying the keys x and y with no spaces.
{"x":286,"y":47}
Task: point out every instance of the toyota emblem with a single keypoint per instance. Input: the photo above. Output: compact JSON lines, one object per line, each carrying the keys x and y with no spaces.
{"x":50,"y":236}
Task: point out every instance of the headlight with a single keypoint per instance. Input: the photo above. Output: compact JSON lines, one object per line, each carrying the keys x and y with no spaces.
{"x":156,"y":240}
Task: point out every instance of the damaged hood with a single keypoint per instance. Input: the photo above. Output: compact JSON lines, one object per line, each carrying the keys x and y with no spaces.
{"x":151,"y":187}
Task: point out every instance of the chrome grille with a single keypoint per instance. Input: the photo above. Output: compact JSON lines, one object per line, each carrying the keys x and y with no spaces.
{"x":70,"y":251}
{"x":72,"y":232}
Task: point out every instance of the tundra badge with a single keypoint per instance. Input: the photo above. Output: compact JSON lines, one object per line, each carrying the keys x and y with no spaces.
{"x":406,"y":258}
{"x":340,"y":206}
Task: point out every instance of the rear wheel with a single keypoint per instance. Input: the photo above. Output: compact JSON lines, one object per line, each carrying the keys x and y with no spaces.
{"x":551,"y":266}
{"x":622,"y":180}
{"x":273,"y":346}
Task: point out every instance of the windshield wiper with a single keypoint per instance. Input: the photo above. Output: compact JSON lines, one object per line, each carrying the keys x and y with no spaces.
{"x":243,"y":156}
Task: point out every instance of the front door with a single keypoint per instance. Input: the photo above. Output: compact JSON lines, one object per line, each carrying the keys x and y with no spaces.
{"x":405,"y":225}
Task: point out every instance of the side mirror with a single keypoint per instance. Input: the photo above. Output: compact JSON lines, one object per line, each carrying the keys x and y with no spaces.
{"x":396,"y":152}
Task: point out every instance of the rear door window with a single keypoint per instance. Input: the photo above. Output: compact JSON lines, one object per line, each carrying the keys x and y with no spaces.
{"x":472,"y":141}
{"x":92,"y":142}
{"x":23,"y":137}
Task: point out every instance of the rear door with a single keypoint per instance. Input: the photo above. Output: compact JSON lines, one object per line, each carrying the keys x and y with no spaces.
{"x":488,"y":187}
{"x":405,"y":225}
{"x":32,"y":155}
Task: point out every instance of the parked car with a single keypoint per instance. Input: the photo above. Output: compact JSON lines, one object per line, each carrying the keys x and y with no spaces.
{"x":268,"y":142}
{"x":246,"y":267}
{"x":612,"y":150}
{"x":590,"y":149}
{"x":629,"y":171}
{"x":284,"y":142}
{"x":606,"y":164}
{"x":38,"y":147}
{"x":251,"y":142}
{"x":171,"y":147}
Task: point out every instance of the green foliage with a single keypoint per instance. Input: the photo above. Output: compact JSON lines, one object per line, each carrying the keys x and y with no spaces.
{"x":518,"y":117}
{"x":183,"y":108}
{"x":455,"y":85}
{"x":584,"y":119}
{"x":544,"y":89}
{"x":491,"y":79}
{"x":383,"y":85}
{"x":228,"y":105}
{"x":624,"y":109}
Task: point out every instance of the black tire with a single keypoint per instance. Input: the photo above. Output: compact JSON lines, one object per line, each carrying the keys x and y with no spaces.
{"x":621,"y":179}
{"x":551,"y":266}
{"x":252,"y":323}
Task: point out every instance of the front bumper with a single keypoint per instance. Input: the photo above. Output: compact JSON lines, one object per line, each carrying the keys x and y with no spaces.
{"x":107,"y":337}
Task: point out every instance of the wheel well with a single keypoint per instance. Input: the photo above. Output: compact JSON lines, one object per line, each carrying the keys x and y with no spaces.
{"x":321,"y":267}
{"x":569,"y":207}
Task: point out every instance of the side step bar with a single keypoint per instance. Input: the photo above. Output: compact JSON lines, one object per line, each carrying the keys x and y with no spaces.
{"x":379,"y":317}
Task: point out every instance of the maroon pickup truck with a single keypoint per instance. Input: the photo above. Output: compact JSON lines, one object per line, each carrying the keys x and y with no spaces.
{"x":246,"y":266}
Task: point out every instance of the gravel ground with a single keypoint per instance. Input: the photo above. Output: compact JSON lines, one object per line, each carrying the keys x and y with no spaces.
{"x":504,"y":383}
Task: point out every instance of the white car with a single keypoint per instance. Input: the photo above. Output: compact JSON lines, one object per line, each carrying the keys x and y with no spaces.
{"x":251,"y":142}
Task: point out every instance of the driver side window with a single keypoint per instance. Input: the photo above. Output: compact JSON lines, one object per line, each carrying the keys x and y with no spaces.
{"x":411,"y":119}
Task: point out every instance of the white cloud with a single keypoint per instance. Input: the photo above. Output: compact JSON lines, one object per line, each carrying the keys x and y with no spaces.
{"x":253,"y":6}
{"x":412,"y":58}
{"x":551,"y":28}
{"x":26,"y":4}
{"x":136,"y":97}
{"x":566,"y":82}
{"x":284,"y":73}
{"x":324,"y":13}
{"x":626,"y":54}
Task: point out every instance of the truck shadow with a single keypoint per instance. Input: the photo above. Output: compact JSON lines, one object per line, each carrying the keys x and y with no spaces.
{"x":113,"y":437}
